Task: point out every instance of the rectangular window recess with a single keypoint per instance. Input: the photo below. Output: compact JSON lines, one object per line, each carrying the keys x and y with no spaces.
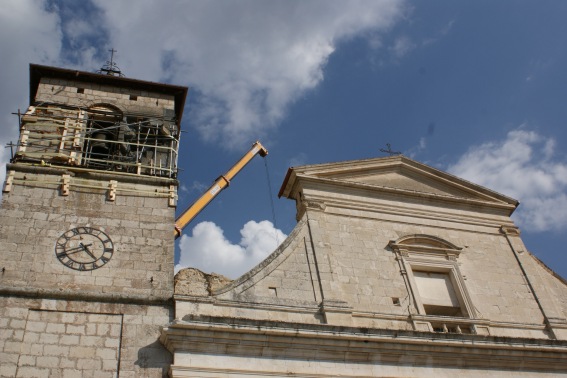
{"x":80,"y":90}
{"x":442,"y":310}
{"x":273,"y":291}
{"x":451,"y":328}
{"x":133,"y":98}
{"x":437,"y":293}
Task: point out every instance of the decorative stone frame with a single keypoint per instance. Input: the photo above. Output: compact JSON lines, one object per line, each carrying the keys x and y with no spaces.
{"x":432,"y":254}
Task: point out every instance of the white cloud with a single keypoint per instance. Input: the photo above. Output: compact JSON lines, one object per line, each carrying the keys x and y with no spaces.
{"x":415,"y":150}
{"x":298,"y":160}
{"x":208,"y":250}
{"x":375,"y":42}
{"x":524,"y":167}
{"x":29,"y":33}
{"x":447,"y":28}
{"x":247,"y":60}
{"x":198,"y":187}
{"x":402,"y":46}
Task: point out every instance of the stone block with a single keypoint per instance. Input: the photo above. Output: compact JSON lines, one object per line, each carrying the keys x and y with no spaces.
{"x":67,"y":363}
{"x":107,"y":353}
{"x":71,"y":373}
{"x":69,"y":340}
{"x":95,"y":341}
{"x":26,"y":360}
{"x":47,"y":338}
{"x":28,"y":371}
{"x":75,"y":329}
{"x":34,"y":326}
{"x":49,"y":362}
{"x":58,"y":350}
{"x":90,"y":364}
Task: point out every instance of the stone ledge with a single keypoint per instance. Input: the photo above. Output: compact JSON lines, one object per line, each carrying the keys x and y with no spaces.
{"x":249,"y":339}
{"x":89,"y":174}
{"x":254,"y":326}
{"x":87,"y":297}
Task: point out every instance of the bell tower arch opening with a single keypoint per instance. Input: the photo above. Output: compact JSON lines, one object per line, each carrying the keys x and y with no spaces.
{"x":103,"y":129}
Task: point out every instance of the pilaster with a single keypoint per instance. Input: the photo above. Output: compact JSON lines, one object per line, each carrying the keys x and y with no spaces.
{"x":554,"y":317}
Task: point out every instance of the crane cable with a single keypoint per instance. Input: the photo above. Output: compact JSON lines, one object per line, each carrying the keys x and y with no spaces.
{"x":270,"y":194}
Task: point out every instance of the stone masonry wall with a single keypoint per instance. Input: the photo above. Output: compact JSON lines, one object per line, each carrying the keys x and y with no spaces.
{"x":84,"y":323}
{"x":65,"y":92}
{"x":366,"y":273}
{"x":56,"y":338}
{"x":140,"y":226}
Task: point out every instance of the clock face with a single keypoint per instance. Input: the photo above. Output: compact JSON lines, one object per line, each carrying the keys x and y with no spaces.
{"x":84,"y":248}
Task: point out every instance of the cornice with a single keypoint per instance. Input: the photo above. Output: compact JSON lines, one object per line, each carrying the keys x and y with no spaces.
{"x":444,"y":348}
{"x":371,"y":210}
{"x":434,"y":197}
{"x":43,"y":293}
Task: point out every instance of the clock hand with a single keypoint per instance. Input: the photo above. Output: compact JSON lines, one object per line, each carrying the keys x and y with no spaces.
{"x":87,"y":250}
{"x":74,"y":250}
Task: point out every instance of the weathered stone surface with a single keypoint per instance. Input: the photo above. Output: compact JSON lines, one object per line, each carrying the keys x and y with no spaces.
{"x":60,"y":322}
{"x":191,"y":281}
{"x":77,"y":335}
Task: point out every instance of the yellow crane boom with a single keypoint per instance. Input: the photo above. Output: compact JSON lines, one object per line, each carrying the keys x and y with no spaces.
{"x":219,"y":184}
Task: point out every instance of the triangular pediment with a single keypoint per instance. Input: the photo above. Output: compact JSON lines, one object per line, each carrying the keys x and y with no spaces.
{"x":407,"y":181}
{"x":397,"y":173}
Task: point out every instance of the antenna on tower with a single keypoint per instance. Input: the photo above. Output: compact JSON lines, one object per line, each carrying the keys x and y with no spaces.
{"x":110,"y":67}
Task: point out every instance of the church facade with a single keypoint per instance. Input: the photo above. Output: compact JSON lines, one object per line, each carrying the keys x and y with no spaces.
{"x":394,"y":269}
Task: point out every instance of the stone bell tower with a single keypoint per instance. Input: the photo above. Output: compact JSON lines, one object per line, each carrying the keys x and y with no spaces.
{"x":86,"y":226}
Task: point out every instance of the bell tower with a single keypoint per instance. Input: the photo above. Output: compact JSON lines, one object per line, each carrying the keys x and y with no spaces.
{"x":86,"y":226}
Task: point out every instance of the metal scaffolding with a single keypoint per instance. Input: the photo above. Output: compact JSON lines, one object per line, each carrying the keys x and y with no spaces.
{"x":99,"y":138}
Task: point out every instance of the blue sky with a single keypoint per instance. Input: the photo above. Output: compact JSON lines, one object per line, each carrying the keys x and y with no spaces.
{"x":474,"y":88}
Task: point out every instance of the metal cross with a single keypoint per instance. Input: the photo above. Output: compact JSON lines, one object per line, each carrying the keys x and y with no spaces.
{"x":110,"y":67}
{"x":389,"y":150}
{"x":112,"y":51}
